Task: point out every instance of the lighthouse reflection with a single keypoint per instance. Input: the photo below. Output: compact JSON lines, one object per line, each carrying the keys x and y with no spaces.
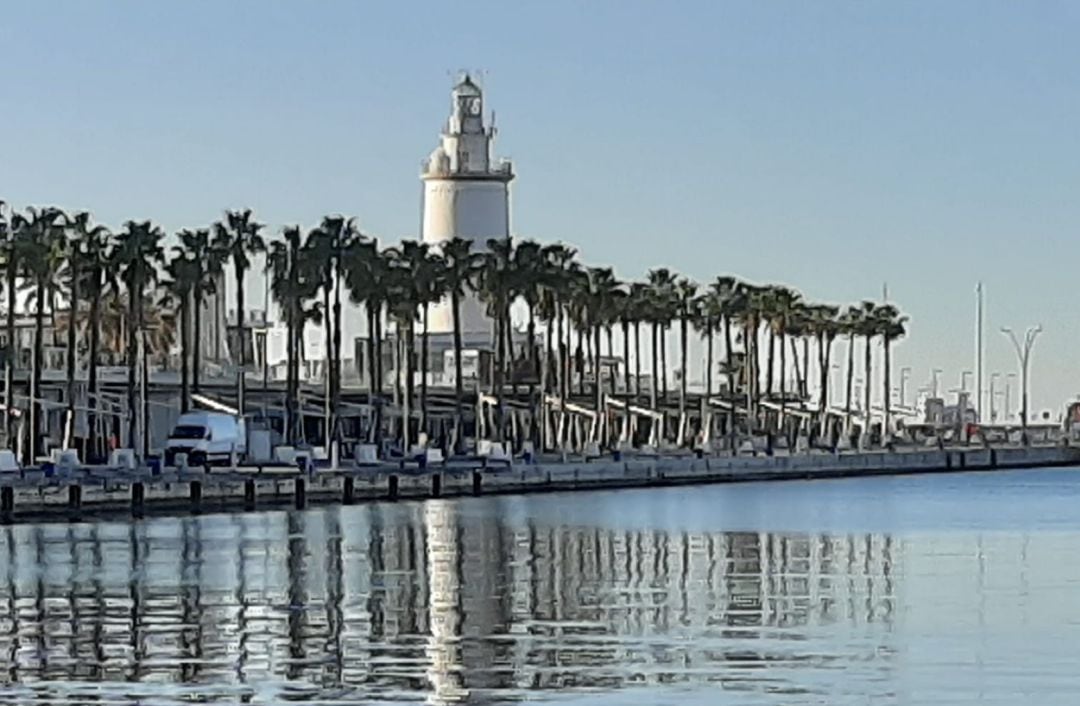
{"x":448,"y":602}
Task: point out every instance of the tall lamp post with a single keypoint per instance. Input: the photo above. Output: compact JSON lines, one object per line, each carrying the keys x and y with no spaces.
{"x":1023,"y":355}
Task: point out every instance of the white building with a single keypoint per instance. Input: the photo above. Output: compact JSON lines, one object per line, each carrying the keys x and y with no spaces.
{"x":466,"y":193}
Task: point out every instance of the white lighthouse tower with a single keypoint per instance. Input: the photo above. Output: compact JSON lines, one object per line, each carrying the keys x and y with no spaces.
{"x":466,"y":194}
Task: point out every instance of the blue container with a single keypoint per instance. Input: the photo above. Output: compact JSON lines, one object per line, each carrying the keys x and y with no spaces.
{"x":48,"y":469}
{"x":154,"y":464}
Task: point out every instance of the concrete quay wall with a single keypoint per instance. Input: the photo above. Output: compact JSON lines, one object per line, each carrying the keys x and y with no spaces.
{"x":84,"y":493}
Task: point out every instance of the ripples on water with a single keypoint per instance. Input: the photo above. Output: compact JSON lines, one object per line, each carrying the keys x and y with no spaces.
{"x":646,"y":597}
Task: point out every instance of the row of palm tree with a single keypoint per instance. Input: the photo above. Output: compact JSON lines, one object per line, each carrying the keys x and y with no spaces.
{"x":57,"y":255}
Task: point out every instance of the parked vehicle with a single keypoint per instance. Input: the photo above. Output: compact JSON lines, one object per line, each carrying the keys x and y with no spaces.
{"x":208,"y":438}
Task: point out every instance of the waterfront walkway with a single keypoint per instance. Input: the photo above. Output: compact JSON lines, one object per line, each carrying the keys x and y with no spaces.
{"x":42,"y":494}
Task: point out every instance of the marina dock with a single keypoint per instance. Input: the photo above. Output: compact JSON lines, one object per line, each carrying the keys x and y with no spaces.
{"x":38,"y":494}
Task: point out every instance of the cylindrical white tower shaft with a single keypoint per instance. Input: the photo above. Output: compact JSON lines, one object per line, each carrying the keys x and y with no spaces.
{"x":466,"y":195}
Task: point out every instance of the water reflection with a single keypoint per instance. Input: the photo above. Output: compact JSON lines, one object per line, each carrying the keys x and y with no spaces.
{"x":448,"y":602}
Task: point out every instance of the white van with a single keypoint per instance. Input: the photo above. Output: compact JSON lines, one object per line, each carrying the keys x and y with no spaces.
{"x":207,"y":438}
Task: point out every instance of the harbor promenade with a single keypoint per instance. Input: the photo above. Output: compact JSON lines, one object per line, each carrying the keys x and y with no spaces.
{"x":66,"y":494}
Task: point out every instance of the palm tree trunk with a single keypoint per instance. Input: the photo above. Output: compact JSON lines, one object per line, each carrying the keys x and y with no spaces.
{"x":868,"y":359}
{"x":782,"y":423}
{"x":564,"y":358}
{"x":728,"y":363}
{"x":11,"y":348}
{"x":769,"y":370}
{"x":196,"y":353}
{"x":72,"y":341}
{"x":185,"y":351}
{"x":424,"y":368}
{"x":335,"y":379}
{"x":92,"y":374}
{"x":887,"y":400}
{"x":708,"y":359}
{"x":626,"y":355}
{"x":823,"y":384}
{"x":378,"y":309}
{"x":36,"y":408}
{"x":328,"y":362}
{"x":240,"y":341}
{"x":134,"y":295}
{"x":663,"y":361}
{"x":290,"y":375}
{"x":655,"y":363}
{"x":683,"y":340}
{"x":850,"y":375}
{"x":611,"y":356}
{"x":637,"y":360}
{"x":599,"y":390}
{"x":804,"y":387}
{"x":800,"y":372}
{"x":534,"y":357}
{"x":497,"y":377}
{"x":549,"y":362}
{"x":459,"y":384}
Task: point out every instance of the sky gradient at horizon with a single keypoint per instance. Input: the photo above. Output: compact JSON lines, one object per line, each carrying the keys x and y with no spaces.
{"x":831,"y":146}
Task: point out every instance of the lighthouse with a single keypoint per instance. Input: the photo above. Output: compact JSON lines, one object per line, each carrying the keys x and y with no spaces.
{"x":466,"y":194}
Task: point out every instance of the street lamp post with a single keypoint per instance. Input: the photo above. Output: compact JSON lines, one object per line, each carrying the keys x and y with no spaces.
{"x":1023,"y":355}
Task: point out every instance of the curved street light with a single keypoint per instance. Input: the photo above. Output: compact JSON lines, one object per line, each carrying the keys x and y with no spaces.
{"x":1023,"y":355}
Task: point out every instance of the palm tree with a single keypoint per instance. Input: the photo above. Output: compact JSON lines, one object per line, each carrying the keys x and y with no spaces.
{"x":325,"y":248}
{"x":529,"y":273}
{"x":459,"y":270}
{"x":600,"y":287}
{"x":183,"y":273}
{"x":84,"y":263}
{"x":784,"y":304}
{"x":867,"y":328}
{"x":238,"y":236}
{"x":293,"y":283}
{"x":824,"y":324}
{"x":43,"y":243}
{"x":366,"y":272}
{"x":497,"y":292}
{"x":404,"y":304}
{"x":638,"y":313}
{"x":726,"y":298}
{"x":429,"y":278}
{"x":137,"y":255}
{"x":891,"y":326}
{"x":686,"y":303}
{"x":558,"y":273}
{"x":662,"y":310}
{"x":10,"y":252}
{"x":209,"y":260}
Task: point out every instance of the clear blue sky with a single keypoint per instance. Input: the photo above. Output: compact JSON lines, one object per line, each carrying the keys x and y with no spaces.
{"x":832,"y":146}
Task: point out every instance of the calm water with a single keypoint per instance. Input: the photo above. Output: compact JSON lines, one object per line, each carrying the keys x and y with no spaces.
{"x":948,"y":590}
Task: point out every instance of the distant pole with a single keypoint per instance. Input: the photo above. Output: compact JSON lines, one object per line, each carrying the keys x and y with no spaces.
{"x":1008,"y":395}
{"x":994,"y":411}
{"x":1023,"y":355}
{"x":978,"y":350}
